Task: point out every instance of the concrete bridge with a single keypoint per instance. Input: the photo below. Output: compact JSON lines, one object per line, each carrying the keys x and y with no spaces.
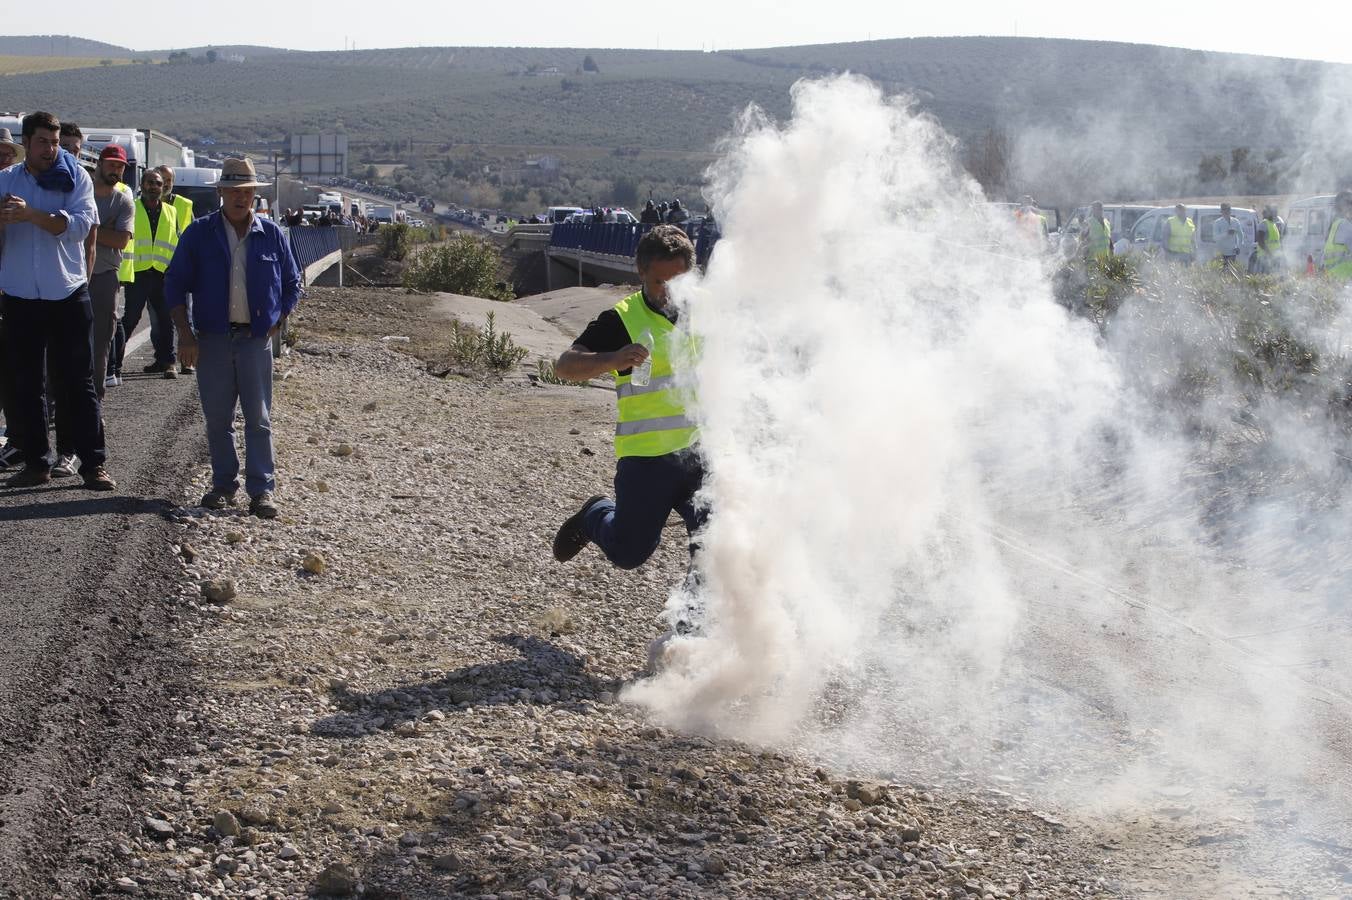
{"x":590,"y":255}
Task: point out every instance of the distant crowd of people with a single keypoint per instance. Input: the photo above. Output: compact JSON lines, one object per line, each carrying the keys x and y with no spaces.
{"x":81,"y":259}
{"x":672,"y":213}
{"x":297,"y":218}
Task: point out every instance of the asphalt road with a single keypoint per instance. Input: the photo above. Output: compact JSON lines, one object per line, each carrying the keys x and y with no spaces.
{"x":86,"y":672}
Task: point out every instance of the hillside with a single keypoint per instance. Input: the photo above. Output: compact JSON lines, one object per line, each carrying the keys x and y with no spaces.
{"x":59,"y":45}
{"x":1120,"y":117}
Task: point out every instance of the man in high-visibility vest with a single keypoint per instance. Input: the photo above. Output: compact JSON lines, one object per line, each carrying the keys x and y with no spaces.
{"x":1180,"y":235}
{"x":1275,"y":261}
{"x":184,"y":214}
{"x":155,"y":238}
{"x":659,"y":468}
{"x":1098,"y":235}
{"x":1338,"y":245}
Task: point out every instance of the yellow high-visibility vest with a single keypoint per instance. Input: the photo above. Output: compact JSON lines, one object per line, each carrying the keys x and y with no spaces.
{"x":1100,"y":239}
{"x":155,"y":251}
{"x":183,"y":212}
{"x":1274,"y":238}
{"x":125,"y":270}
{"x":1180,"y":234}
{"x":1337,"y":257}
{"x":651,"y":420}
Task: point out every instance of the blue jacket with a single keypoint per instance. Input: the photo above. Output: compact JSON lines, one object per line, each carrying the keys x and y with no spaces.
{"x":201,"y":267}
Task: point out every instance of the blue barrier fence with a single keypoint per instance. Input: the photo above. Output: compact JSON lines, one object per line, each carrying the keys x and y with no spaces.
{"x":309,"y":245}
{"x":622,"y":240}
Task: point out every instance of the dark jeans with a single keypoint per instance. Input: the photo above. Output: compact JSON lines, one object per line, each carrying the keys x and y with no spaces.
{"x":147,"y":291}
{"x":647,"y":489}
{"x":12,"y":427}
{"x":59,"y":332}
{"x":119,"y":349}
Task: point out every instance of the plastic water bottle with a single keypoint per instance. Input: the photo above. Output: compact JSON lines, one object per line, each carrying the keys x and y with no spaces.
{"x":642,"y":373}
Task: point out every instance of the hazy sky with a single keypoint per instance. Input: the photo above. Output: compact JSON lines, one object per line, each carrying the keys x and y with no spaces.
{"x":1239,"y":27}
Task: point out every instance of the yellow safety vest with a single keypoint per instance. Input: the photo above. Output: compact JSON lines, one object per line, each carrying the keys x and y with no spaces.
{"x":183,"y":212}
{"x":1180,"y":234}
{"x":1274,"y":239}
{"x":1337,"y":257}
{"x":651,"y":420}
{"x":125,"y":270}
{"x":1100,"y":239}
{"x":155,"y":251}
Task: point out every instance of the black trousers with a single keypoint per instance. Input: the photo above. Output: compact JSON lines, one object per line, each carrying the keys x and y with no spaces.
{"x":59,"y":332}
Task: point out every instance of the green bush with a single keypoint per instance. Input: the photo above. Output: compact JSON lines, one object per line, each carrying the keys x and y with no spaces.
{"x":395,"y":240}
{"x":463,"y":265}
{"x":485,"y":348}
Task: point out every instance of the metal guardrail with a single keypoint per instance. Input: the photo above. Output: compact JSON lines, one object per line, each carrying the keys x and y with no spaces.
{"x":613,"y":239}
{"x":309,"y":245}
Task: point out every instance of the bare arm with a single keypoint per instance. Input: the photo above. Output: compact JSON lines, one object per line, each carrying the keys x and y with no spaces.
{"x":108,"y":236}
{"x":580,"y":364}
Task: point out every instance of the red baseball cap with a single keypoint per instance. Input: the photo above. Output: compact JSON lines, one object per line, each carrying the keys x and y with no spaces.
{"x":113,"y":151}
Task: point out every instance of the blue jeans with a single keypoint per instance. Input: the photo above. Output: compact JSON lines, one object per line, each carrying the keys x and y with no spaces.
{"x":647,"y":488}
{"x":236,"y":369}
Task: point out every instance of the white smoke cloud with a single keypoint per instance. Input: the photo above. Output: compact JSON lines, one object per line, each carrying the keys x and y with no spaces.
{"x":951,"y":527}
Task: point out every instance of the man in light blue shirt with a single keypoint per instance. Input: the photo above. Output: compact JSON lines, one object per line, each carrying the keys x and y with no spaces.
{"x":1229,"y":236}
{"x":46,"y":304}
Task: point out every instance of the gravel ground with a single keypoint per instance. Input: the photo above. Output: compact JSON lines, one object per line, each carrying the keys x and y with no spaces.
{"x":396,"y":692}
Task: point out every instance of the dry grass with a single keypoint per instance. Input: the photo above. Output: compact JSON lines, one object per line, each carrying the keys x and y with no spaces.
{"x":28,"y":65}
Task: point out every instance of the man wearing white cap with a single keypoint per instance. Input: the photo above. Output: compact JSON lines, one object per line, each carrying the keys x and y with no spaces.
{"x":244,"y":283}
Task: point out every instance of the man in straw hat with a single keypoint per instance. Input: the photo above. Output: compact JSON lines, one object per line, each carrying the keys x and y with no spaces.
{"x":244,"y":283}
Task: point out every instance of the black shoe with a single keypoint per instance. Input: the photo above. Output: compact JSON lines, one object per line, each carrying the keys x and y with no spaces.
{"x":263,"y":506}
{"x":572,"y":537}
{"x":155,"y":368}
{"x":10,"y":455}
{"x":98,"y":479}
{"x":29,"y":476}
{"x":187,"y":370}
{"x":218,"y":498}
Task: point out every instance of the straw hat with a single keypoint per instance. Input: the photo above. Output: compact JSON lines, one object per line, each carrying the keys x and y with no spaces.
{"x":238,"y":172}
{"x":7,"y":138}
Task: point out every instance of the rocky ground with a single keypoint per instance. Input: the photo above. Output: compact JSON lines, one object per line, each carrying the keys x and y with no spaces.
{"x":394,"y":691}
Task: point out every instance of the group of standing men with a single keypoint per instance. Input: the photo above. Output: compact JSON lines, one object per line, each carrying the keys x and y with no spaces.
{"x":222,"y":285}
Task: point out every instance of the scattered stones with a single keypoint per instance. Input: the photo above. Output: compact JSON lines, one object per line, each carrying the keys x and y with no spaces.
{"x":322,"y":486}
{"x":158,"y":829}
{"x":221,"y":590}
{"x":188,"y":553}
{"x":343,"y":450}
{"x":226,"y":824}
{"x":337,"y":880}
{"x":448,"y":862}
{"x":234,"y":537}
{"x":314,"y":563}
{"x":868,"y":793}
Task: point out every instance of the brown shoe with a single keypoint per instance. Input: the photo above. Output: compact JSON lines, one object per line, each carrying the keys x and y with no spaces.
{"x":98,"y":479}
{"x":29,"y":476}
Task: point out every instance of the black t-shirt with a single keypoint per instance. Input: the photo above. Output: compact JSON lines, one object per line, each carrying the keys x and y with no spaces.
{"x":606,"y":333}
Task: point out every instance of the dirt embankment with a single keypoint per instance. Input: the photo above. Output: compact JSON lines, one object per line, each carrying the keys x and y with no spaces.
{"x":400,"y":693}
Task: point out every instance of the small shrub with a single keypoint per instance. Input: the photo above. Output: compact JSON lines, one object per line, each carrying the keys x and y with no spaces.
{"x":485,"y":348}
{"x":463,"y":265}
{"x":544,"y":372}
{"x":395,"y":241}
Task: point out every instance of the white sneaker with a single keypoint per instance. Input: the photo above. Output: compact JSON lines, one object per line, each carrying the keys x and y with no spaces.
{"x":10,"y":456}
{"x":111,"y":381}
{"x":64,"y":468}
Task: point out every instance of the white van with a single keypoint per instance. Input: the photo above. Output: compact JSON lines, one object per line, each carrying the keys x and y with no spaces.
{"x":1121,"y":217}
{"x":199,"y":186}
{"x":557,"y":214}
{"x":1307,"y":230}
{"x":1148,"y":234}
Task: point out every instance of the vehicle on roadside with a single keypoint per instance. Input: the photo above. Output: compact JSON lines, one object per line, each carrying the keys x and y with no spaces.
{"x":199,"y":186}
{"x":556,"y":214}
{"x":1122,"y":217}
{"x":1147,"y":235}
{"x":1307,"y":230}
